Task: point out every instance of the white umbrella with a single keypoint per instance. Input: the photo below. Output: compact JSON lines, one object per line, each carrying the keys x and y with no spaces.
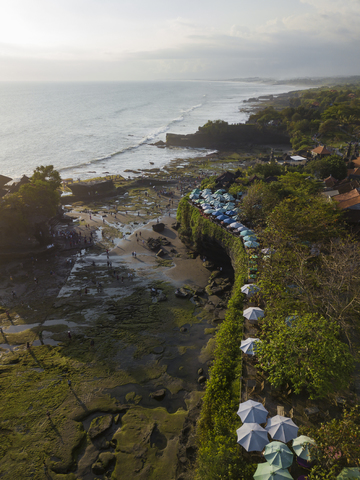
{"x":253,"y":313}
{"x":252,"y":412}
{"x":249,"y":345}
{"x":250,"y":288}
{"x":281,"y":428}
{"x":252,"y":437}
{"x":235,"y":225}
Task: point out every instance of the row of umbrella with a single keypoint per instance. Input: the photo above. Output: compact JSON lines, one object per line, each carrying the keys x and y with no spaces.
{"x":253,"y":437}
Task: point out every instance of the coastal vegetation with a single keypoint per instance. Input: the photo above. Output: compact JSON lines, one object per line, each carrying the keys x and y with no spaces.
{"x":331,"y":114}
{"x":218,"y":454}
{"x":33,"y":203}
{"x":308,"y":278}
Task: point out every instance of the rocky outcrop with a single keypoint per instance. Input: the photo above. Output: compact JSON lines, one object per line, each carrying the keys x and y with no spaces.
{"x":99,"y":425}
{"x":235,"y":136}
{"x":158,"y":227}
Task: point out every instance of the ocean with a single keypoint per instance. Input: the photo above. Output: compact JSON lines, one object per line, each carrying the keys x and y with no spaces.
{"x":93,"y":129}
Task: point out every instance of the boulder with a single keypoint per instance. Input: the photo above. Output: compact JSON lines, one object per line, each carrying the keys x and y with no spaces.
{"x":162,"y":297}
{"x":158,"y":227}
{"x":102,"y":464}
{"x":99,"y":425}
{"x":153,"y":243}
{"x":181,"y":293}
{"x":158,"y":395}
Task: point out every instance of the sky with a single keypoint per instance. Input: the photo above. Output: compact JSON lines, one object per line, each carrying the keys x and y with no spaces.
{"x":114,"y":40}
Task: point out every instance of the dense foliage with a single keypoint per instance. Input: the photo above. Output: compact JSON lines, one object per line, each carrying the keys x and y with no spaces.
{"x":338,"y":445}
{"x":328,"y":113}
{"x":306,"y":354}
{"x":34,"y":202}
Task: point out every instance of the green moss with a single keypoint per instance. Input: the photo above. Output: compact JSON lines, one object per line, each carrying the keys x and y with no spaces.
{"x":210,"y":331}
{"x":135,"y":443}
{"x":218,"y":452}
{"x":132,"y":397}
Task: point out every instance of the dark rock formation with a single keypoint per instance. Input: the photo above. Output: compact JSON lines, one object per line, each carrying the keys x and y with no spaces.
{"x":99,"y":425}
{"x":158,"y":227}
{"x":95,"y":187}
{"x":158,"y":395}
{"x":234,"y":136}
{"x":181,"y":293}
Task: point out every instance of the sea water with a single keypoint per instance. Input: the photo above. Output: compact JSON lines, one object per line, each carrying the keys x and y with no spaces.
{"x":93,"y":129}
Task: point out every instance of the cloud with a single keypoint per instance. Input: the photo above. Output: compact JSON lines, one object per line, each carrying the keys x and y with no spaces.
{"x":320,"y":38}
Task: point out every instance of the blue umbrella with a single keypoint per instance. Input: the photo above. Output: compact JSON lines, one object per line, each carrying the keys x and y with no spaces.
{"x":246,"y":232}
{"x":252,"y":244}
{"x":252,"y":437}
{"x":222,"y":217}
{"x":231,"y":213}
{"x":208,"y":211}
{"x":229,"y":220}
{"x":249,"y":238}
{"x":252,"y":412}
{"x":249,"y":346}
{"x":282,"y":428}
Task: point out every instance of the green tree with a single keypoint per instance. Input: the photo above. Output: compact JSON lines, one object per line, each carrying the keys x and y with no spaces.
{"x":338,"y":445}
{"x":215,"y":128}
{"x":330,"y":165}
{"x":47,"y":174}
{"x":39,"y":198}
{"x":302,"y":219}
{"x":308,"y":355}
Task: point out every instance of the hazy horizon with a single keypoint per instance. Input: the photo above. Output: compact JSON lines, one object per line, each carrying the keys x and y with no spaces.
{"x":89,"y":40}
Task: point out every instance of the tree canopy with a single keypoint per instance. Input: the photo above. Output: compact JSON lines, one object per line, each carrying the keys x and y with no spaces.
{"x":306,"y":355}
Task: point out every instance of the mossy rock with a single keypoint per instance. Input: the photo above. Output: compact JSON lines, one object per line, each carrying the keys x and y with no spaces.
{"x":99,"y":425}
{"x":103,"y":463}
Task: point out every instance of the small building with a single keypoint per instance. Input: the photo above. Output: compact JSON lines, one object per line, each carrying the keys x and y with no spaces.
{"x":14,"y":187}
{"x":297,"y":160}
{"x":354,"y":174}
{"x":320,"y":151}
{"x":349,"y":200}
{"x":4,"y":180}
{"x":330,"y":181}
{"x":225,"y":179}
